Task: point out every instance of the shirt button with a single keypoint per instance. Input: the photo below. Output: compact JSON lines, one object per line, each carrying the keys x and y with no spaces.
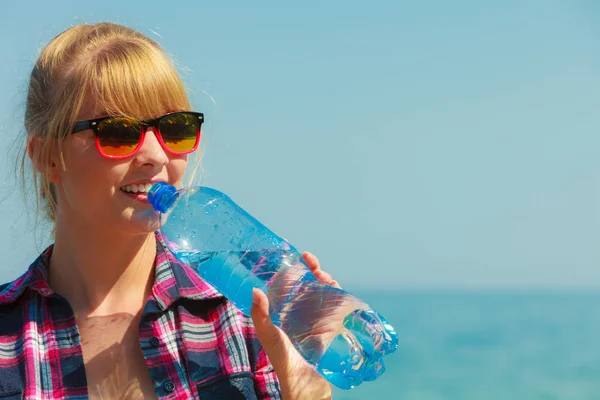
{"x":169,"y":386}
{"x":154,"y":342}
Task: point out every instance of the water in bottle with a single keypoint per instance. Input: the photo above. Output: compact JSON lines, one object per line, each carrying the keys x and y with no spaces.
{"x":335,"y":331}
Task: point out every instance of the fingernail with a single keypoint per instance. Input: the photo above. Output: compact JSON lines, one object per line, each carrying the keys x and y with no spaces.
{"x":254,"y":296}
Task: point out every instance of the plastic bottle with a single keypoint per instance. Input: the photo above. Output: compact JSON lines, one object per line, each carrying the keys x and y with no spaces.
{"x":338,"y":333}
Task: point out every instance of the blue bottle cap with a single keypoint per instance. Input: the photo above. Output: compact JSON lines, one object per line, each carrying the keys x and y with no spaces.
{"x":162,"y":196}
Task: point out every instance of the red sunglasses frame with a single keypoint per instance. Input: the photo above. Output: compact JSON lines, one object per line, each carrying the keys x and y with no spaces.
{"x":93,"y":124}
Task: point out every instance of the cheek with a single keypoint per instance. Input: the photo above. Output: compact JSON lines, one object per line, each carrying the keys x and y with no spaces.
{"x":87,"y":185}
{"x":87,"y":179}
{"x":176,"y":170}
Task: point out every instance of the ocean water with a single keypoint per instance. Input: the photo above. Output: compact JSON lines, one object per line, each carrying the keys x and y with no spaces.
{"x":488,"y":346}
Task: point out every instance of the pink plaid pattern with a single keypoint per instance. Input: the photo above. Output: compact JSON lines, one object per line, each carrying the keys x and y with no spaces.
{"x":196,"y":343}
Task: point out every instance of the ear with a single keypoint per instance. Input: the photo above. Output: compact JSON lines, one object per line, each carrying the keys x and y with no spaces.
{"x":49,"y":168}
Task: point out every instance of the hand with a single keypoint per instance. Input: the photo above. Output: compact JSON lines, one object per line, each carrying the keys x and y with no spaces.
{"x":297,"y":378}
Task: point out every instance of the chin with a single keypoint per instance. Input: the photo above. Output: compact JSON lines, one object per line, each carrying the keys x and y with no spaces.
{"x":143,"y":222}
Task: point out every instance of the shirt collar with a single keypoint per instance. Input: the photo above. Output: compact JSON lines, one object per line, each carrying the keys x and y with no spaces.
{"x":35,"y":278}
{"x":173,"y":280}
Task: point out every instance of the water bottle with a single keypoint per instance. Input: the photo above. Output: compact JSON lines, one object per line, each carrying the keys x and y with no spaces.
{"x":335,"y":331}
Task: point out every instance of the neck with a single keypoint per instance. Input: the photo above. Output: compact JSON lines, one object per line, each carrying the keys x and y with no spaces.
{"x":101,"y":272}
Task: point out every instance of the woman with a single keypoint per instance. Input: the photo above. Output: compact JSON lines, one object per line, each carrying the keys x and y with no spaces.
{"x":106,"y":311}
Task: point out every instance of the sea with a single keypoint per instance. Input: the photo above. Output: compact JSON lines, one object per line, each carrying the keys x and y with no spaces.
{"x":499,"y":345}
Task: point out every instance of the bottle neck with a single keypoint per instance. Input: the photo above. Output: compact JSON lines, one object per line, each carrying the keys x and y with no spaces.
{"x":162,"y":196}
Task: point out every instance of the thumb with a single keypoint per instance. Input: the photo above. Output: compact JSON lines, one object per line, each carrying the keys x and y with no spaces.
{"x":271,"y":338}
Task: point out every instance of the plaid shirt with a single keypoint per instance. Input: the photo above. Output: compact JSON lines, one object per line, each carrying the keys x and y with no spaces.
{"x":196,"y":344}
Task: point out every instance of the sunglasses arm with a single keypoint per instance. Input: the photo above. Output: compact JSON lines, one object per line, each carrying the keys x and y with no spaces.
{"x":81,"y":126}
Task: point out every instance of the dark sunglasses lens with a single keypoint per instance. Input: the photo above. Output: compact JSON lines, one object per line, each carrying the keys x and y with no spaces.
{"x":179,"y":131}
{"x":119,"y":136}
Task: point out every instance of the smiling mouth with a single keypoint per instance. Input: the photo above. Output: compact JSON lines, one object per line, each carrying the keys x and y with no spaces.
{"x":142,"y":188}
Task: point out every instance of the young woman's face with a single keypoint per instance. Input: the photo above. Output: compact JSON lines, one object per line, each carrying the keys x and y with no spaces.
{"x":101,"y":191}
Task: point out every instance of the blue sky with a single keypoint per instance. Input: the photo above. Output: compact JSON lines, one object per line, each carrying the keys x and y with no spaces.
{"x":408,"y":145}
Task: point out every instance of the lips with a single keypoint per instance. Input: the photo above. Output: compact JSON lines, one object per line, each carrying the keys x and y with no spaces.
{"x":139,"y":190}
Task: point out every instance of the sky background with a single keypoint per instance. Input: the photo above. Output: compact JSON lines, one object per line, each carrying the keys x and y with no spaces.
{"x":409,"y":145}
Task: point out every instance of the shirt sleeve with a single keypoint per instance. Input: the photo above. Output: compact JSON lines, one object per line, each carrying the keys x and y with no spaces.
{"x":266,"y":383}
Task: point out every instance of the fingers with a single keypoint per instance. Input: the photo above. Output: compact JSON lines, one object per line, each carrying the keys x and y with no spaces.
{"x":271,"y":338}
{"x":326,"y":278}
{"x":260,"y":305}
{"x":312,"y":261}
{"x":315,"y":267}
{"x":267,"y":333}
{"x":333,"y":283}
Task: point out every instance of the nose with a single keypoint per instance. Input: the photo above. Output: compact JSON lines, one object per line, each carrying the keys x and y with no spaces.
{"x":151,"y":152}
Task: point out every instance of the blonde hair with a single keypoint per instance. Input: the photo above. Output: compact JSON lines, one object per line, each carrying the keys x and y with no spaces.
{"x":123,"y":71}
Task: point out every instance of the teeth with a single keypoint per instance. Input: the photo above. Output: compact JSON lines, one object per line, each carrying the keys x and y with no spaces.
{"x":141,"y":188}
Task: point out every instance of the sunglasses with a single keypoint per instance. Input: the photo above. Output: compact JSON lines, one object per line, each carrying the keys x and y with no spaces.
{"x":122,"y":137}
